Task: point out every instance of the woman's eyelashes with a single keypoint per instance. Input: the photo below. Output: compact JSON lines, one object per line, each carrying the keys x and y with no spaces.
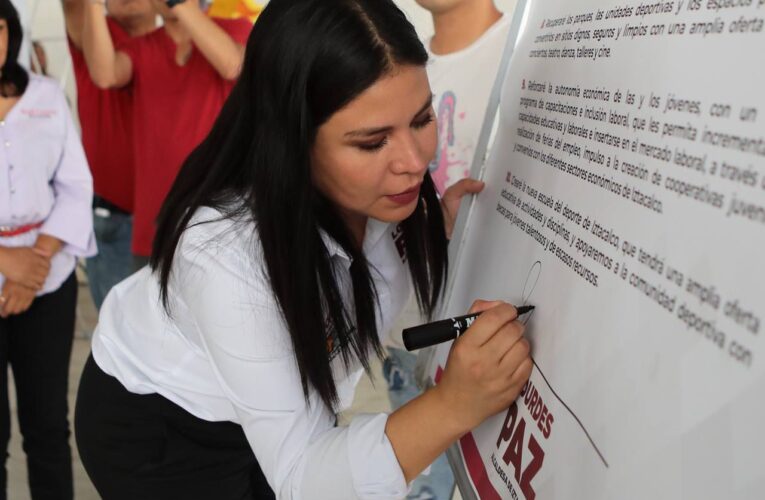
{"x":423,"y":122}
{"x":379,"y":144}
{"x":373,"y":146}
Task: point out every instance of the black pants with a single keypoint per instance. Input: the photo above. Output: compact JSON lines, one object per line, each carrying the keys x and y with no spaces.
{"x":145,"y":447}
{"x":38,"y":344}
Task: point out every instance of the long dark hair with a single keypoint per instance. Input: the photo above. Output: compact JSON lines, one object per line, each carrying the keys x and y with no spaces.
{"x":305,"y":60}
{"x":13,"y":77}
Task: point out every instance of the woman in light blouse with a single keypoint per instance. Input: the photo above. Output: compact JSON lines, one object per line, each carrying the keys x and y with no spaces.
{"x":45,"y":224}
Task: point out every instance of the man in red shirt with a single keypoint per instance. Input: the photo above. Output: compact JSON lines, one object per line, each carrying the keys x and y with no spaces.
{"x":180,"y":76}
{"x":107,"y":136}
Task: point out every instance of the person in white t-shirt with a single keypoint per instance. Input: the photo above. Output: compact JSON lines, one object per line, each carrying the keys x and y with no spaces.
{"x":289,"y":243}
{"x":464,"y":56}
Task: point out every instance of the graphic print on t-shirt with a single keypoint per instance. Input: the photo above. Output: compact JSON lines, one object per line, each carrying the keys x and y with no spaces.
{"x":461,"y":83}
{"x":448,"y":166}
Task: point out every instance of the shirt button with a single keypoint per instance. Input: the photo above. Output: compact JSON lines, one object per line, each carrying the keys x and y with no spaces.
{"x":13,"y":191}
{"x":7,"y":144}
{"x":10,"y":167}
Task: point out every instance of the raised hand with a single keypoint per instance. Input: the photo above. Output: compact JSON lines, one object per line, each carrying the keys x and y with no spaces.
{"x":450,"y":201}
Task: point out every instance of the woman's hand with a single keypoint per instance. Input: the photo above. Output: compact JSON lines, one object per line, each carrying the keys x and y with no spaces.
{"x":48,"y":245}
{"x":15,"y":299}
{"x":26,"y":266}
{"x":485,"y":372}
{"x":487,"y":365}
{"x":450,"y":201}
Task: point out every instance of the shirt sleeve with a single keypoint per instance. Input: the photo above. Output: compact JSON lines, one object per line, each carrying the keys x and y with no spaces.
{"x":70,"y":219}
{"x":132,"y":47}
{"x":300,"y":450}
{"x":238,"y":29}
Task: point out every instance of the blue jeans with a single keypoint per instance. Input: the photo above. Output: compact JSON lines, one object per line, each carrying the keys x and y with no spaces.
{"x":398,"y":369}
{"x":114,"y":261}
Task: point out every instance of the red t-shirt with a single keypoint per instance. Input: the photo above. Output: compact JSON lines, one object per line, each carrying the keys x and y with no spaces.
{"x":107,"y":129}
{"x":175,"y":108}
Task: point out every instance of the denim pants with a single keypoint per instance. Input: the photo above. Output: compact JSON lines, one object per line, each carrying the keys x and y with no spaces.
{"x":398,"y":369}
{"x":114,"y":261}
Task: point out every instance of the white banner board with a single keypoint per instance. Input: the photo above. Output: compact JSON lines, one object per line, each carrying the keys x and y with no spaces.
{"x":625,"y":198}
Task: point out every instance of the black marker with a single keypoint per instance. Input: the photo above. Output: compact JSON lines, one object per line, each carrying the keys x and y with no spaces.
{"x":445,"y":330}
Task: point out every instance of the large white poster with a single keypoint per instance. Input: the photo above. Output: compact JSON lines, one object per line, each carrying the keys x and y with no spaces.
{"x":625,"y":199}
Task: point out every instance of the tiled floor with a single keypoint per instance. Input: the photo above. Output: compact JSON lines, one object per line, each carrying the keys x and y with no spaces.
{"x":370,"y":397}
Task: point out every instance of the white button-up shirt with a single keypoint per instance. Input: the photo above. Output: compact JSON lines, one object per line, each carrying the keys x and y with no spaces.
{"x":224,"y":354}
{"x":44,"y":177}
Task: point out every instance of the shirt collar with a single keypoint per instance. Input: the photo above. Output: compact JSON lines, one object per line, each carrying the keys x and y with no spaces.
{"x":376,"y":229}
{"x":373,"y":234}
{"x":333,"y":247}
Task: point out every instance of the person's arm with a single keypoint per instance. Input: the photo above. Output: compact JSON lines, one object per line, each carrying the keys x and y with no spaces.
{"x":24,"y":265}
{"x":220,"y":49}
{"x":48,"y":245}
{"x":486,"y":370}
{"x":223,"y":299}
{"x":69,"y":224}
{"x":73,"y":18}
{"x":108,"y":67}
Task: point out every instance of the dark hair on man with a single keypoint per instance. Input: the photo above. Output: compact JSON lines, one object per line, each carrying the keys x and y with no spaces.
{"x":305,"y":60}
{"x":13,"y":77}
